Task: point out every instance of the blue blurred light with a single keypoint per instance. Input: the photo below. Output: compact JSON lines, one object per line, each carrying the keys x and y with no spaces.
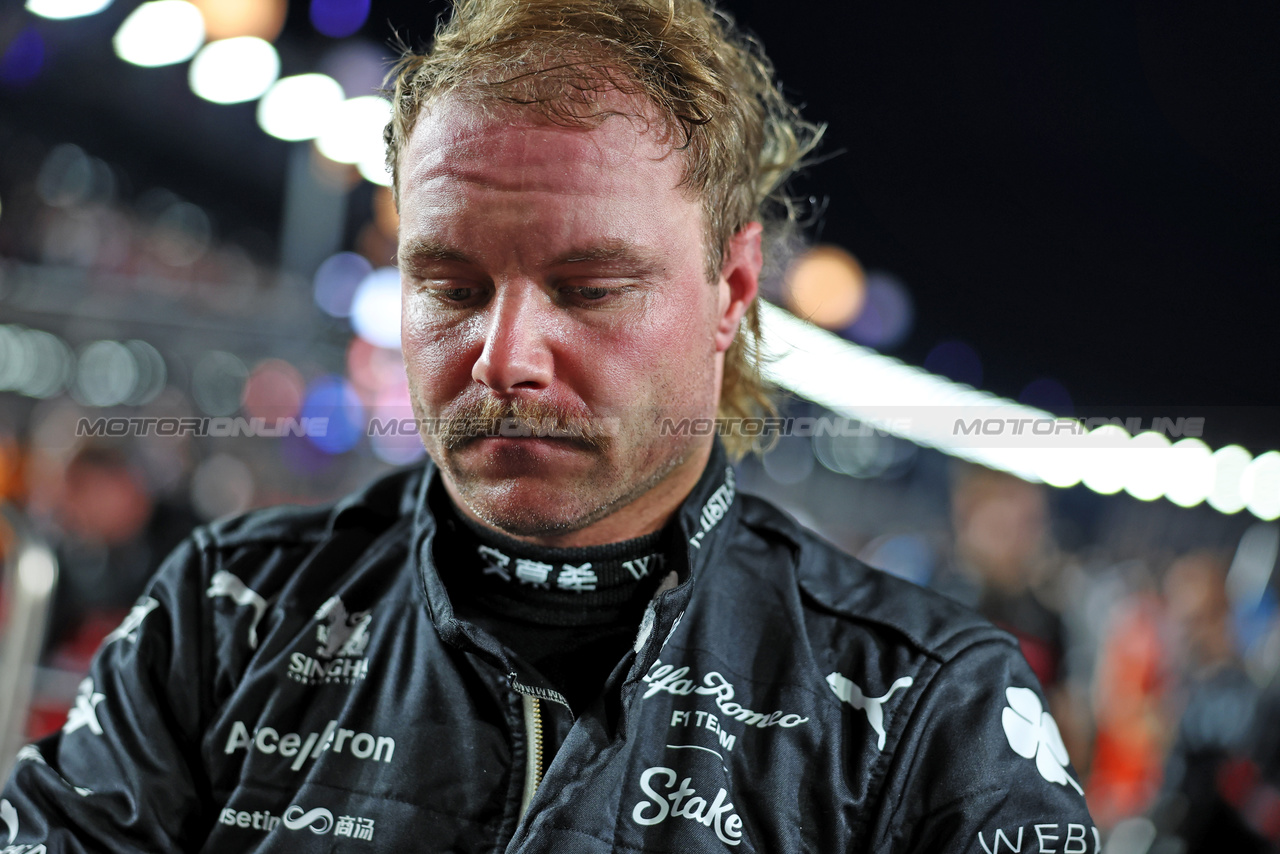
{"x":333,"y":397}
{"x":886,"y":317}
{"x":339,"y":18}
{"x":336,"y":281}
{"x":375,"y":310}
{"x":957,"y":361}
{"x":23,"y":58}
{"x":1049,"y":395}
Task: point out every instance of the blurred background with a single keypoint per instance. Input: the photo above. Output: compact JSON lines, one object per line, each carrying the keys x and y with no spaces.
{"x":1036,"y":216}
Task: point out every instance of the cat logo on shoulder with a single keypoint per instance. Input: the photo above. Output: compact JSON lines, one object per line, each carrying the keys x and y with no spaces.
{"x":341,"y":640}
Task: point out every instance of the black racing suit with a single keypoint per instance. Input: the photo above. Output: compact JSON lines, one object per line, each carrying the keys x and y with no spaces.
{"x":296,"y":680}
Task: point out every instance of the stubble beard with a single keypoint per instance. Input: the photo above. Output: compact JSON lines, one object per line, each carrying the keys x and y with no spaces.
{"x":613,"y":481}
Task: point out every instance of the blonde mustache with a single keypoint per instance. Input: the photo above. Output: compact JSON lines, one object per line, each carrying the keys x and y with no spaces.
{"x":521,"y":419}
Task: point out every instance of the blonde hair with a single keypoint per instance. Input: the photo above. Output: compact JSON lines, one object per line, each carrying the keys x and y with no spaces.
{"x":711,"y":84}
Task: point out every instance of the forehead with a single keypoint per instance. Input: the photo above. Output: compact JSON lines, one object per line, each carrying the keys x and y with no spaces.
{"x":511,"y":147}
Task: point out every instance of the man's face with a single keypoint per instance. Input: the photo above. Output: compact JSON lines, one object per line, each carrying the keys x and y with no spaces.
{"x":559,"y":272}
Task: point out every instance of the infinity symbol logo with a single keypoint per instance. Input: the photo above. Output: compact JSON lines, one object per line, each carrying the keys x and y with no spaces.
{"x":318,"y":820}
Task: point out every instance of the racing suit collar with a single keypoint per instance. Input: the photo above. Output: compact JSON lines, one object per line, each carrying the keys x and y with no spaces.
{"x":705,"y":517}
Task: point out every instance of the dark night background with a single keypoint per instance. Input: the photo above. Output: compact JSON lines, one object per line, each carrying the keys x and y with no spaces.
{"x":1088,"y":192}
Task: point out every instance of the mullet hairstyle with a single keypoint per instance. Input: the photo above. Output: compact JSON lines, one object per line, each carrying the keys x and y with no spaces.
{"x":708,"y":82}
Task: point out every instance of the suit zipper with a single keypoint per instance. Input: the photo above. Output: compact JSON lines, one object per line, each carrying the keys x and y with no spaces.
{"x":533,"y":738}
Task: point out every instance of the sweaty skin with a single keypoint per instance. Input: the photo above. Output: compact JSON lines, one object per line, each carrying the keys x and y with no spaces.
{"x":562,"y":268}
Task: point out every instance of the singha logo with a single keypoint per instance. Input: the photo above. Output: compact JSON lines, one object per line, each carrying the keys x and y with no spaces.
{"x":341,"y":633}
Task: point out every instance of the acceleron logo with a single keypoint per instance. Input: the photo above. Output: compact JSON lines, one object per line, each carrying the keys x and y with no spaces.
{"x":296,"y":749}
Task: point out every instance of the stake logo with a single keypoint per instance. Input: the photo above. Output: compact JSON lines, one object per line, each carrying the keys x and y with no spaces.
{"x":685,"y":802}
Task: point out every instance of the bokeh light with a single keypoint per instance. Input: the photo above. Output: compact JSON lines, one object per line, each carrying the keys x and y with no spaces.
{"x":393,"y":446}
{"x":1260,"y":486}
{"x":273,"y":389}
{"x":373,"y":169}
{"x":385,"y":215}
{"x":296,"y":108}
{"x":336,"y":281}
{"x":1229,"y":464}
{"x":160,"y":32}
{"x":221,"y":486}
{"x":61,"y":10}
{"x":217,"y":381}
{"x":152,"y":372}
{"x":860,"y":456}
{"x":353,"y":131}
{"x":374,"y":369}
{"x":358,"y":65}
{"x":52,"y":365}
{"x":955,"y":360}
{"x":790,"y":461}
{"x":106,"y":374}
{"x":1047,"y":394}
{"x":34,"y":362}
{"x":334,"y":398}
{"x":887,"y":315}
{"x":225,"y":19}
{"x":375,"y":311}
{"x":1147,"y":466}
{"x":1191,"y":473}
{"x":69,"y":177}
{"x":339,"y":18}
{"x":827,"y":286}
{"x":234,"y":70}
{"x":181,"y":232}
{"x":1106,"y":459}
{"x":22,"y":59}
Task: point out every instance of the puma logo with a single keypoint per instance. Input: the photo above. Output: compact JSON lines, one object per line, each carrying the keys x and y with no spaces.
{"x":9,"y":816}
{"x":848,"y":691}
{"x":224,"y":583}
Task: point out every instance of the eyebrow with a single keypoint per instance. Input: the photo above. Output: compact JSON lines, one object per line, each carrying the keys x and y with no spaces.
{"x":429,"y":249}
{"x":610,"y":250}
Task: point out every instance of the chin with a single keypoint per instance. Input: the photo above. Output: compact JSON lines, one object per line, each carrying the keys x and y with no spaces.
{"x":528,"y":507}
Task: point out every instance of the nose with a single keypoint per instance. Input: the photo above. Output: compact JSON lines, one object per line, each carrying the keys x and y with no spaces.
{"x":516,"y":351}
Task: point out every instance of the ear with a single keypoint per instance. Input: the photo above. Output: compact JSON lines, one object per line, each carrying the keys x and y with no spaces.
{"x":739,"y":282}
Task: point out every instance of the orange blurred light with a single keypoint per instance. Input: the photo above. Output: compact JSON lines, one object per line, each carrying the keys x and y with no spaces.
{"x":224,"y":19}
{"x":273,"y":390}
{"x":384,"y":212}
{"x":827,"y":286}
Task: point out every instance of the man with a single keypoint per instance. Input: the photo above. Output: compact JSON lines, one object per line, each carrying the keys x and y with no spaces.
{"x":573,"y":635}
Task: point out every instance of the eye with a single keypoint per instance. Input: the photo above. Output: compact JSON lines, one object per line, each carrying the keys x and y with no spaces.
{"x":592,"y":294}
{"x":456,"y":294}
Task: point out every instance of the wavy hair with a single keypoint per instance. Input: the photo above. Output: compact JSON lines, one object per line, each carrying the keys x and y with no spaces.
{"x":711,"y":83}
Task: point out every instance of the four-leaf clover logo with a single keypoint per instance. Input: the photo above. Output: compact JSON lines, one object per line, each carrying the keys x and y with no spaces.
{"x":1032,"y":732}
